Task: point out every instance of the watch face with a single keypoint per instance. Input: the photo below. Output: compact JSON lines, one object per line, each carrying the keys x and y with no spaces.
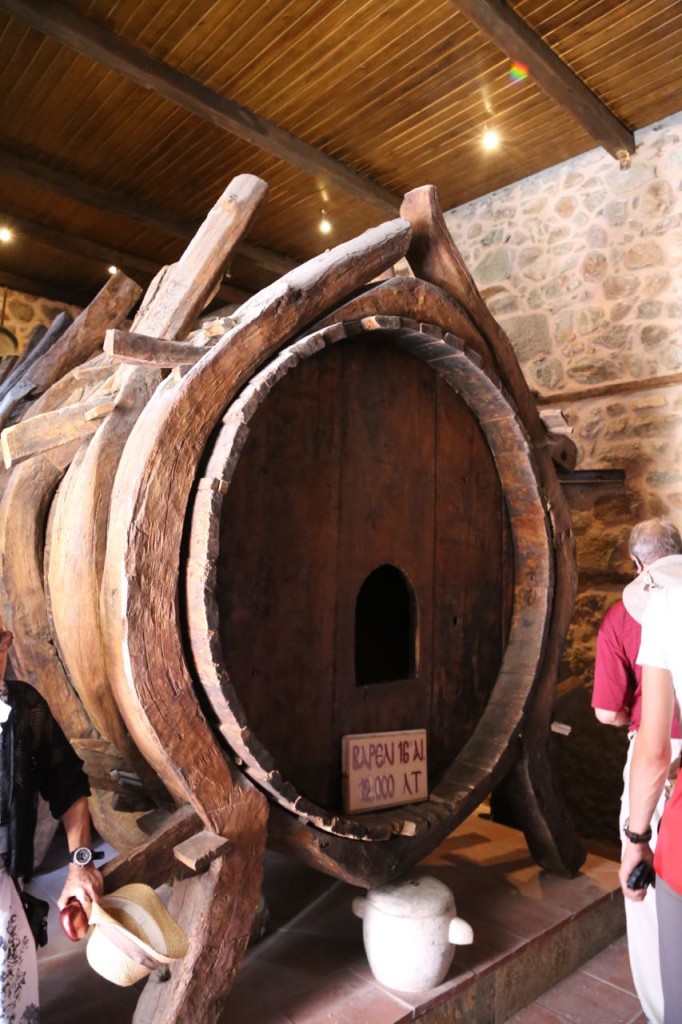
{"x":82,"y":856}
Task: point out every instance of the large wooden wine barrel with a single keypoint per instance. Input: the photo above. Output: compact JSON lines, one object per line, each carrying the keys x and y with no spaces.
{"x":339,"y":516}
{"x":376,"y":550}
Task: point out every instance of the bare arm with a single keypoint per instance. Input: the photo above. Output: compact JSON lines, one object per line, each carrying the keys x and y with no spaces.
{"x":650,"y":764}
{"x":615,"y":681}
{"x":86,"y":883}
{"x":607,"y":717}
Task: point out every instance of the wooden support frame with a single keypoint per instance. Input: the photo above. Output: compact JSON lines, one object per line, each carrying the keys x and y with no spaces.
{"x":170,"y":306}
{"x":38,"y":434}
{"x":518,"y":40}
{"x":143,"y":350}
{"x":530,"y":787}
{"x":150,"y":216}
{"x":73,"y":30}
{"x":44,"y":289}
{"x":94,"y":252}
{"x":35,"y":350}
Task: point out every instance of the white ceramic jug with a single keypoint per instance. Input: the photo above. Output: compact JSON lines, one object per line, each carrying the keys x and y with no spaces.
{"x":410,"y":929}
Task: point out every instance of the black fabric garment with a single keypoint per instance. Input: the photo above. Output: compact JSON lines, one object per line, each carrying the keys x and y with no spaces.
{"x":35,"y":758}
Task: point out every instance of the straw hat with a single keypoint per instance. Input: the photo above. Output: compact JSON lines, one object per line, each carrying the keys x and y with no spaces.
{"x":662,"y":574}
{"x":133,"y":934}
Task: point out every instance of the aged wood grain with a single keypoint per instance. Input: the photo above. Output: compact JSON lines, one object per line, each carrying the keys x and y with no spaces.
{"x":142,"y":350}
{"x":170,"y":306}
{"x":78,"y":342}
{"x":216,"y":909}
{"x":23,"y":515}
{"x":27,"y":494}
{"x":34,"y":350}
{"x":530,"y":787}
{"x":41,"y":433}
{"x":149,"y":673}
{"x":467,"y":780}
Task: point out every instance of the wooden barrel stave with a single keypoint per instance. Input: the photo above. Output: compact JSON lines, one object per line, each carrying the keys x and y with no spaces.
{"x":203,"y":620}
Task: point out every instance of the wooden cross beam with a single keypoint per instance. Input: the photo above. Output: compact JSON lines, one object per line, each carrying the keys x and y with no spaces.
{"x":511,"y":33}
{"x":143,"y":350}
{"x":50,"y":430}
{"x":44,"y":289}
{"x":130,"y":207}
{"x":94,"y":252}
{"x":93,"y":41}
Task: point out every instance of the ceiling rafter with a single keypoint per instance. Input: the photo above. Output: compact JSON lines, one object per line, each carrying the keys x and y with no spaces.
{"x":44,"y":289}
{"x":518,"y":40}
{"x":129,"y":207}
{"x":94,"y":252}
{"x":95,"y":42}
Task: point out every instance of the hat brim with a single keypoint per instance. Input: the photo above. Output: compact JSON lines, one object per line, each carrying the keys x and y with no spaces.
{"x":662,"y":574}
{"x":137,"y":914}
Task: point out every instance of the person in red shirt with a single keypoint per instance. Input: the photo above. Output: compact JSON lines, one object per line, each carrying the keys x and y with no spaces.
{"x":617,"y":701}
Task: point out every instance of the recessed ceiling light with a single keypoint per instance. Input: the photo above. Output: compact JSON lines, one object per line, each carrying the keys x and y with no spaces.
{"x":5,"y":235}
{"x":325,"y":223}
{"x":112,"y":269}
{"x":490,"y":140}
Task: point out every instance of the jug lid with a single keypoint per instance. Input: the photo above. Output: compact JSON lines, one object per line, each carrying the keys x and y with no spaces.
{"x":419,"y":896}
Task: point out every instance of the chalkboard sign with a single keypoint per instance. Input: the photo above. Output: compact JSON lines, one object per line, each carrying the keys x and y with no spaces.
{"x":384,"y":769}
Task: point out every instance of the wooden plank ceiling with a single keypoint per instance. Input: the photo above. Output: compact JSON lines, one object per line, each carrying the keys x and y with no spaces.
{"x":115,"y":115}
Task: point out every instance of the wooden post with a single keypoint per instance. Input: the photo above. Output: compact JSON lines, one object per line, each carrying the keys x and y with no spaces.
{"x":36,"y":347}
{"x":74,"y":568}
{"x":530,"y":787}
{"x":216,"y":910}
{"x":78,"y":342}
{"x":152,"y":487}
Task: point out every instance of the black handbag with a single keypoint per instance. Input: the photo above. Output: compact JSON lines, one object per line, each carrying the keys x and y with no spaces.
{"x":36,"y":911}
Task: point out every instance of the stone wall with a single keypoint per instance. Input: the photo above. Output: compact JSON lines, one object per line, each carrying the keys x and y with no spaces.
{"x":581,"y":266}
{"x":23,"y":312}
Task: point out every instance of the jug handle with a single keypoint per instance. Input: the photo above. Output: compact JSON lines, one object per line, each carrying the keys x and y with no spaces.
{"x":359,"y":904}
{"x":460,"y":933}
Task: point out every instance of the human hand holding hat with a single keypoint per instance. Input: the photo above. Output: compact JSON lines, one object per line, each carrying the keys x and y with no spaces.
{"x":84,"y":884}
{"x":132,"y":934}
{"x":74,"y":920}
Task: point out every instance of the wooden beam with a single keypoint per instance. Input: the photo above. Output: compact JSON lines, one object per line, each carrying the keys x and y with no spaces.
{"x":153,"y":862}
{"x":129,"y":207}
{"x":79,"y":341}
{"x":62,"y":241}
{"x":143,"y":350}
{"x":97,"y":43}
{"x":35,"y":350}
{"x":37,"y":434}
{"x":616,"y":387}
{"x":45,"y":289}
{"x":515,"y":37}
{"x":200,"y":850}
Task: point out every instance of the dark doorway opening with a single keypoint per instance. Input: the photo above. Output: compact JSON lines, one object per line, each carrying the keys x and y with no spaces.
{"x":385,"y":628}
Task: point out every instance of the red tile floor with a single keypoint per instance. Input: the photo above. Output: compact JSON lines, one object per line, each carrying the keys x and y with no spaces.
{"x":530,"y":928}
{"x":600,"y":992}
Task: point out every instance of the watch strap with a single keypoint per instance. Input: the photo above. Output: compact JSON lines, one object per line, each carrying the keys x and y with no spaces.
{"x":637,"y":837}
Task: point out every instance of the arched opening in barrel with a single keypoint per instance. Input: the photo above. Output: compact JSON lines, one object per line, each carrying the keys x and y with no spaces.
{"x":385,"y":628}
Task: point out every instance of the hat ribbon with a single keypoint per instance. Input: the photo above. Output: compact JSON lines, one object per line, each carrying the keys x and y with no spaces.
{"x":130,"y":949}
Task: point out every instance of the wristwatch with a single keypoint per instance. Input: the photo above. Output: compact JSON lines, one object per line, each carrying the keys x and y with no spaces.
{"x":638,"y":838}
{"x":83,"y":856}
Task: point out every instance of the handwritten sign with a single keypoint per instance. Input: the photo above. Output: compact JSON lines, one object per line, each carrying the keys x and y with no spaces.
{"x":384,"y":769}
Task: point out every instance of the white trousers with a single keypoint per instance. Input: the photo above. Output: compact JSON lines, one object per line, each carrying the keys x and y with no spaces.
{"x":18,"y":961}
{"x":640,"y":918}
